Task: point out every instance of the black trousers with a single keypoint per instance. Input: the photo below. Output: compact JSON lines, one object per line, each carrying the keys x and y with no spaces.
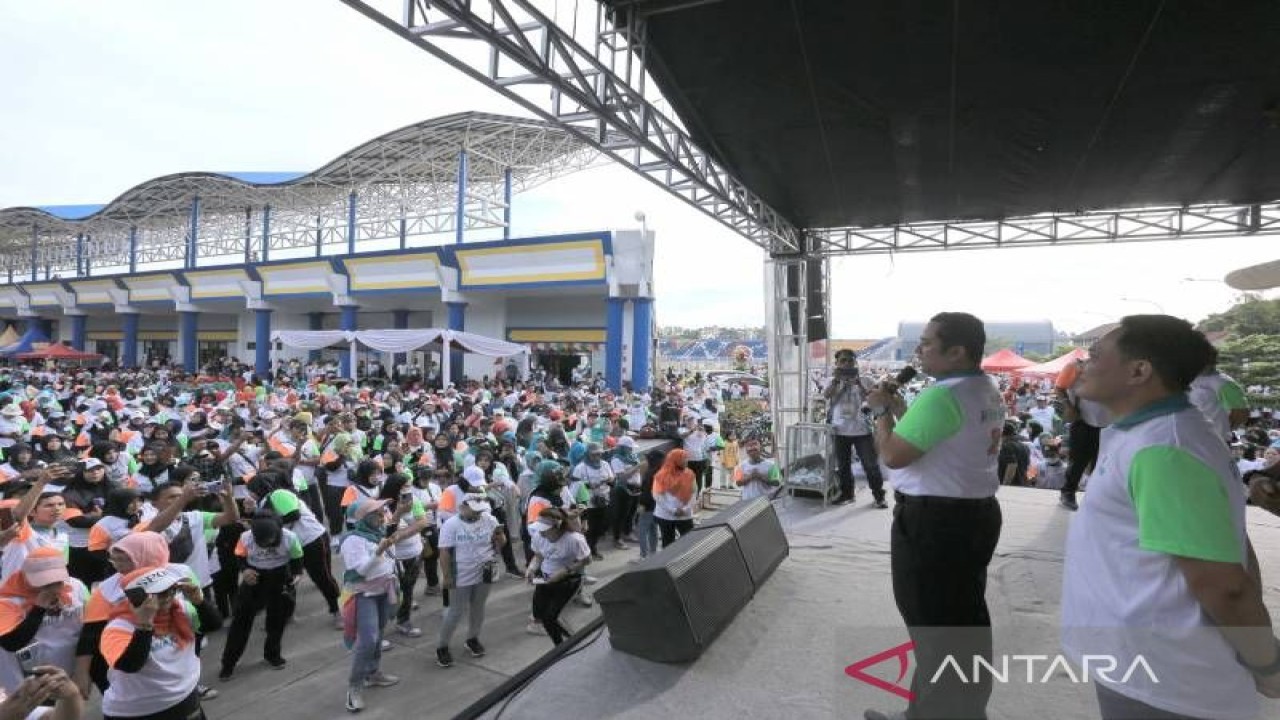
{"x":865,"y":445}
{"x":597,"y":525}
{"x":225,"y":581}
{"x":671,"y":529}
{"x":314,"y":498}
{"x":701,"y":473}
{"x":623,"y":511}
{"x":508,"y":555}
{"x":407,"y":571}
{"x":273,"y":593}
{"x":432,"y":564}
{"x":1082,"y":439}
{"x":548,"y":602}
{"x":333,"y":509}
{"x":939,"y":550}
{"x":318,"y":563}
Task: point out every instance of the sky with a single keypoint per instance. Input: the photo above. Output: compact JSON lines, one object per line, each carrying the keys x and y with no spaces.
{"x":98,"y":97}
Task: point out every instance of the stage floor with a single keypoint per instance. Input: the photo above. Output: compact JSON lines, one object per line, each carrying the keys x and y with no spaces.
{"x":830,"y":605}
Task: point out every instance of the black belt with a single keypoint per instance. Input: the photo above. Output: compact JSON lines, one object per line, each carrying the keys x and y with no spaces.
{"x":902,"y":499}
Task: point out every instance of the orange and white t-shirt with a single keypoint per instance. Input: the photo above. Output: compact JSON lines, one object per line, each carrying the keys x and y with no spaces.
{"x":168,"y":677}
{"x":57,"y":636}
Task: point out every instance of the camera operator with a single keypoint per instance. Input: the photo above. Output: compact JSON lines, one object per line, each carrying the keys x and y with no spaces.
{"x":845,"y":396}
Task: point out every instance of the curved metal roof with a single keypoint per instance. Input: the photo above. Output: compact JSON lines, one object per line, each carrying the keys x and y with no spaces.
{"x":413,"y":168}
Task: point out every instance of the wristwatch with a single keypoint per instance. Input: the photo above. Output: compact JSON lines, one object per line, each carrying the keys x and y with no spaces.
{"x":1265,"y":670}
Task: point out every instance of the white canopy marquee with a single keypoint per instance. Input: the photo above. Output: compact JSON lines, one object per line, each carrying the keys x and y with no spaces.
{"x":401,"y":341}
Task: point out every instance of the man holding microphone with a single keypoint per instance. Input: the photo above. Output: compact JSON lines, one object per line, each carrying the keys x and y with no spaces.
{"x":845,"y":396}
{"x":942,"y":458}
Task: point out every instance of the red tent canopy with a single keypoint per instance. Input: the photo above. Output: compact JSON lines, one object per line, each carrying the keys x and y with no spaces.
{"x":1052,"y":367}
{"x":58,"y":351}
{"x":1005,"y":360}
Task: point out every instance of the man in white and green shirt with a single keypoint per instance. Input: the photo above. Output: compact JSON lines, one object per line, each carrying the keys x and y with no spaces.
{"x":1158,"y":564}
{"x":942,"y":457}
{"x":1220,"y":399}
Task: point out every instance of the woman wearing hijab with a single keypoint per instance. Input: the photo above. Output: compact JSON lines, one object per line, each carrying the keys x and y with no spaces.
{"x":591,"y":484}
{"x":120,"y":512}
{"x":559,"y":555}
{"x":673,"y":495}
{"x":409,"y":518}
{"x":369,"y":585}
{"x":152,"y":470}
{"x":270,"y":558}
{"x":53,"y":449}
{"x":627,"y":472}
{"x":365,"y":483}
{"x":22,"y":463}
{"x":150,"y":648}
{"x":40,"y":604}
{"x":119,"y":465}
{"x":86,"y":497}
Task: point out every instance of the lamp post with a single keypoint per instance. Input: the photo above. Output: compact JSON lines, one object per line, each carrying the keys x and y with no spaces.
{"x":1152,"y":303}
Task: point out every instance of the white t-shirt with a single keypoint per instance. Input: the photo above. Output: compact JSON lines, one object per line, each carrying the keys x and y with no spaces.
{"x":957,"y":423}
{"x":472,"y":546}
{"x":1164,"y":486}
{"x":569,"y":548}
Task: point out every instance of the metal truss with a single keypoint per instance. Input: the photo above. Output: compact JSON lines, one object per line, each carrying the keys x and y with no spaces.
{"x":590,"y":79}
{"x":1084,"y":228}
{"x":405,"y":185}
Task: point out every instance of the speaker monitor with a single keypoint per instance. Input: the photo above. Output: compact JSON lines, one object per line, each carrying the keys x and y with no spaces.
{"x":759,"y":533}
{"x":671,"y":606}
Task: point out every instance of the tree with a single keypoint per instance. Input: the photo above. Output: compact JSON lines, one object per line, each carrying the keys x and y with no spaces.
{"x":1254,"y":361}
{"x":1251,"y":315}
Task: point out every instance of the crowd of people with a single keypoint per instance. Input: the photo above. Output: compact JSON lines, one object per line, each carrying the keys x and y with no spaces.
{"x":144,"y":509}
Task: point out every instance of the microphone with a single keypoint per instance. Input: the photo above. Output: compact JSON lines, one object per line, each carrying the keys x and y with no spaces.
{"x":905,"y":375}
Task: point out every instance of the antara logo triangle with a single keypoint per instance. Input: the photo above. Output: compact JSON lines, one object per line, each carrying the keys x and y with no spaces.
{"x":902,"y":653}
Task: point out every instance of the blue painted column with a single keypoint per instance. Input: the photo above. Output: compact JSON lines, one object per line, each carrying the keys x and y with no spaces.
{"x":351,"y":223}
{"x":133,"y":249}
{"x":248,"y":235}
{"x":35,"y":252}
{"x":315,"y":321}
{"x":193,"y":234}
{"x":613,"y":343}
{"x":262,"y":343}
{"x":188,"y":333}
{"x":460,"y":219}
{"x":399,"y":321}
{"x":641,"y":342}
{"x":78,"y":331}
{"x":129,"y":348}
{"x":506,"y":199}
{"x":266,"y":233}
{"x":348,"y":322}
{"x":457,"y":321}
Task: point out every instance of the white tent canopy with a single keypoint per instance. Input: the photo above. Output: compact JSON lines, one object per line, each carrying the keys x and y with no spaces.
{"x":401,"y":341}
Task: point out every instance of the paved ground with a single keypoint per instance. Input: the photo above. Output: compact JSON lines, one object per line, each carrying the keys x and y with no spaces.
{"x":313,"y":685}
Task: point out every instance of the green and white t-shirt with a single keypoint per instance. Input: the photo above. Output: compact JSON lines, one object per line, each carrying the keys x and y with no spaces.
{"x":956,"y":423}
{"x":1164,"y":486}
{"x":1215,"y":395}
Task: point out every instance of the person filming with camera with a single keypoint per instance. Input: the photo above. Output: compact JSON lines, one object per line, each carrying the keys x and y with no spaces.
{"x":846,"y":395}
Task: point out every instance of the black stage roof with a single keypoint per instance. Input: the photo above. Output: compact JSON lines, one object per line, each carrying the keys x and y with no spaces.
{"x":873,"y":112}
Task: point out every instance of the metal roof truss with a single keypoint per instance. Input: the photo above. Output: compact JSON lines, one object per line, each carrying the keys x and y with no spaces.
{"x":589,"y":79}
